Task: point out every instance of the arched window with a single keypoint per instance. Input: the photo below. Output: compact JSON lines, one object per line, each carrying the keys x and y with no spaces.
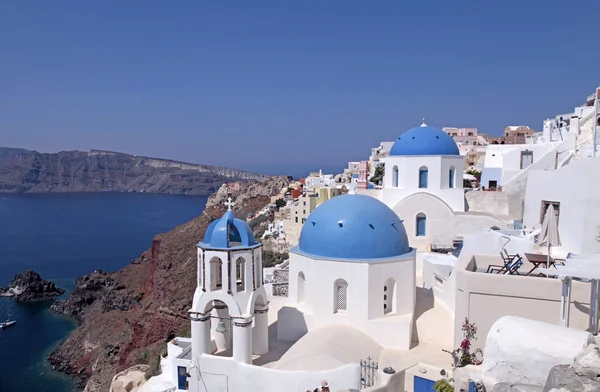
{"x":389,"y":298}
{"x":240,"y":274}
{"x":301,"y":280}
{"x":216,"y":273}
{"x":395,"y":176}
{"x":451,"y":177}
{"x":423,"y":174}
{"x":340,"y":296}
{"x":421,"y":225}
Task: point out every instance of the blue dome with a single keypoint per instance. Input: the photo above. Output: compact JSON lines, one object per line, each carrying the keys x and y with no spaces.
{"x":353,"y":227}
{"x":228,"y":232}
{"x":424,"y":140}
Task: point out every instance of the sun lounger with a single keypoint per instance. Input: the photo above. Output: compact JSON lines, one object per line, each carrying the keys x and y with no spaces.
{"x":511,"y":266}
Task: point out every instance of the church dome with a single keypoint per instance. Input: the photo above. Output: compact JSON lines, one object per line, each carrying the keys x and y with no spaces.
{"x":228,"y":232}
{"x":424,"y":140}
{"x":353,"y":227}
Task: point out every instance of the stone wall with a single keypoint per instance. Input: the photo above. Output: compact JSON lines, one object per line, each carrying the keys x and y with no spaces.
{"x":281,"y":282}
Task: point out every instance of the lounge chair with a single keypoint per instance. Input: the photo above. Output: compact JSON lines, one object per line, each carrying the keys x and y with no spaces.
{"x":511,"y":266}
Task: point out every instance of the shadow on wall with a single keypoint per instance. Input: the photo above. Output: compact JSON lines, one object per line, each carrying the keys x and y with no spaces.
{"x":423,"y":303}
{"x":291,"y":325}
{"x":276,"y":348}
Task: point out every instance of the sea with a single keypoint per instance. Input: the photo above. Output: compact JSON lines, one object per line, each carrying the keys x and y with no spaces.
{"x":64,"y":236}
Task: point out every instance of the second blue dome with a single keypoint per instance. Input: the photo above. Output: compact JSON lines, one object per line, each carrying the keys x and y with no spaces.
{"x":424,"y":140}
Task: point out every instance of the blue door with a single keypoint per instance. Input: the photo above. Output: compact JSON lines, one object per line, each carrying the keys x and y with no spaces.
{"x":421,"y":225}
{"x":181,"y":378}
{"x":423,"y":385}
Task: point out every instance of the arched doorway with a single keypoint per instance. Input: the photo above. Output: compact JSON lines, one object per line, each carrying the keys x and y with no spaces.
{"x":421,"y":225}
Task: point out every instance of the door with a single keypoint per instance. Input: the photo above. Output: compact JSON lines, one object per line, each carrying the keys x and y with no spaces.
{"x":181,"y":378}
{"x":492,"y":184}
{"x":423,"y":385}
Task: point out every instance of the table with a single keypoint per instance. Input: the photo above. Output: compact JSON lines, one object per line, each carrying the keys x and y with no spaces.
{"x":538,"y":259}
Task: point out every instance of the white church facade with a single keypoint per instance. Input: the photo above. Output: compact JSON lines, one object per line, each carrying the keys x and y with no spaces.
{"x":353,"y":266}
{"x":352,"y":295}
{"x":423,"y":184}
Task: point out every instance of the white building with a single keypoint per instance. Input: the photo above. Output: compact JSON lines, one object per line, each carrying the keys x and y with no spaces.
{"x":423,"y":184}
{"x":275,"y":229}
{"x":378,"y":154}
{"x":353,"y":266}
{"x":320,"y":180}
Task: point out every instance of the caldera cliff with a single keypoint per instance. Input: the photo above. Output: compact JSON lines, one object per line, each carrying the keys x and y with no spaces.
{"x":105,"y":171}
{"x":126,"y":317}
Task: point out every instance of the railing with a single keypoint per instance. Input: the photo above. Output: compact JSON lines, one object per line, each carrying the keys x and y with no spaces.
{"x":368,"y":372}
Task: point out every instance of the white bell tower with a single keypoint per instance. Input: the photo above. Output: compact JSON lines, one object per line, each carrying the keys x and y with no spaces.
{"x":230,"y":305}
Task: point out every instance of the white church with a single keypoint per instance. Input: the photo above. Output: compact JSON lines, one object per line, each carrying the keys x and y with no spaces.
{"x":351,"y":296}
{"x":423,"y":184}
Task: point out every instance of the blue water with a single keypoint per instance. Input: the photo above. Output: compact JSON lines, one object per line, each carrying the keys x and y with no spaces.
{"x":63,"y":236}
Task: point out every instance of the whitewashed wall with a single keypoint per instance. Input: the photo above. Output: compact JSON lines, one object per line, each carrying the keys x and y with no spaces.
{"x":366,"y":283}
{"x":576,"y":186}
{"x":221,"y":374}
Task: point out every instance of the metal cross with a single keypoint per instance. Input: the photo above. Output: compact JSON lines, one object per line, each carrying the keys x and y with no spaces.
{"x":229,"y":203}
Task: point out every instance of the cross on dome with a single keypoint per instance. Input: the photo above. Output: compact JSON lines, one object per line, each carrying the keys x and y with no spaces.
{"x":229,"y":203}
{"x":423,"y":124}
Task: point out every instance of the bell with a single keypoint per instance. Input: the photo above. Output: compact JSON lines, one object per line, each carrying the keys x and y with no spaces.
{"x":221,"y":327}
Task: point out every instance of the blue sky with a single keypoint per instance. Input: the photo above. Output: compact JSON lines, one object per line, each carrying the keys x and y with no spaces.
{"x":283,"y":86}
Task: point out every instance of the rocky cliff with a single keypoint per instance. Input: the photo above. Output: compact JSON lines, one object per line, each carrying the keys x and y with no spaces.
{"x":105,"y":171}
{"x":126,"y":317}
{"x":29,"y":286}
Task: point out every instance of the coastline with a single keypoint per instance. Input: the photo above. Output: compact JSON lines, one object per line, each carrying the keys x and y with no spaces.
{"x":136,"y":309}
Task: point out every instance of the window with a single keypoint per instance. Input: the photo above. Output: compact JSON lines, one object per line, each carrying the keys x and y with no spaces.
{"x":421,"y":224}
{"x":423,"y":175}
{"x":470,"y":133}
{"x":451,"y":177}
{"x":296,"y":218}
{"x":526,"y":159}
{"x":303,"y":220}
{"x":389,"y":290}
{"x":492,"y":184}
{"x":301,"y":281}
{"x":340,"y":295}
{"x":395,"y":177}
{"x":544,"y":209}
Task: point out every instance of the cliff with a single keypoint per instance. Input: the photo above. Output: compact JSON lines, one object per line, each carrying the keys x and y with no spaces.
{"x":105,"y":171}
{"x":126,"y":317}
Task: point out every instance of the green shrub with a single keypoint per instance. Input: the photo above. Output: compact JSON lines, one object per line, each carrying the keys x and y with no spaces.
{"x":443,"y":385}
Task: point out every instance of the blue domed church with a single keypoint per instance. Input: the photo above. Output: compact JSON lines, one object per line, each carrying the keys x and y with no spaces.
{"x":354,"y":266}
{"x":423,"y":184}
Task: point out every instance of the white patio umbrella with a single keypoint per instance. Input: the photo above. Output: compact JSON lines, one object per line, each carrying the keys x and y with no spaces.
{"x":549,"y":232}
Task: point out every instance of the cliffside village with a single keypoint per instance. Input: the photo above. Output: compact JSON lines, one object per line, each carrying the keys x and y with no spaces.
{"x":445,"y":259}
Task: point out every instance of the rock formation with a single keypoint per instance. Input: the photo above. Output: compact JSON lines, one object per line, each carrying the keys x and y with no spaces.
{"x":101,"y":171}
{"x":126,"y":317}
{"x":129,"y":380}
{"x":29,"y":286}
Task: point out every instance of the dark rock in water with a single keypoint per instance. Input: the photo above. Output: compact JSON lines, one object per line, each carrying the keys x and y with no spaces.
{"x":29,"y":286}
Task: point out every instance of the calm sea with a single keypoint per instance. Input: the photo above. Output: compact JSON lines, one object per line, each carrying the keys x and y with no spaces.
{"x":63,"y":236}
